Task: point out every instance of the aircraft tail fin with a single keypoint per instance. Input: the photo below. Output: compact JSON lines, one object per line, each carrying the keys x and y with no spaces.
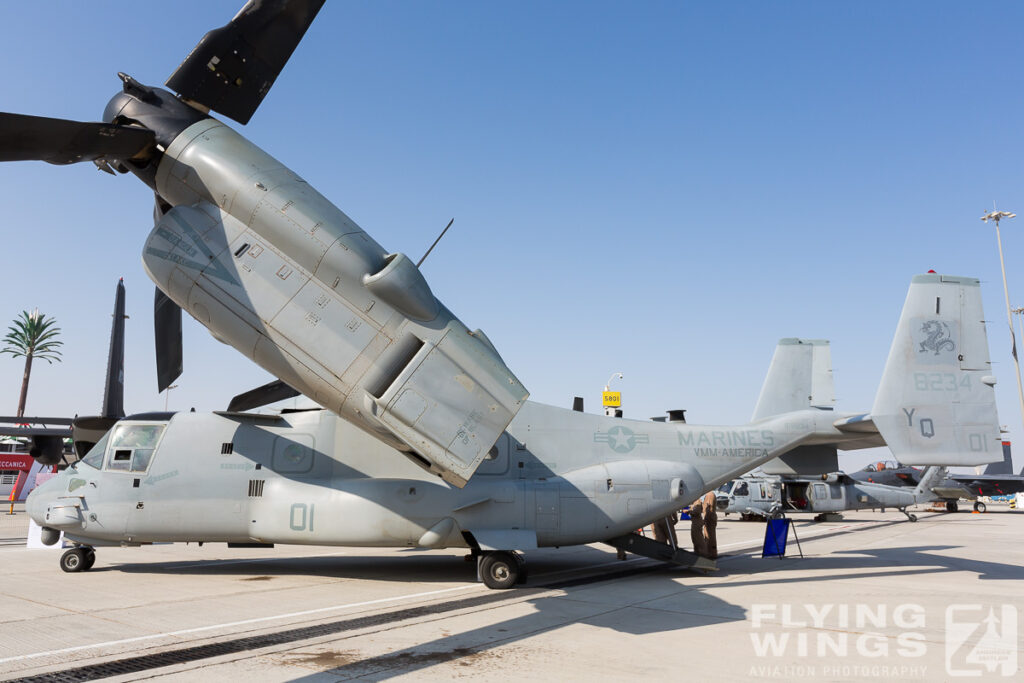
{"x":113,"y":391}
{"x":799,"y":377}
{"x":936,"y":404}
{"x":1004,"y":466}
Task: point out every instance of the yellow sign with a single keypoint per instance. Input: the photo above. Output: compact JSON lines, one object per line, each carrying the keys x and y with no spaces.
{"x":611,"y":399}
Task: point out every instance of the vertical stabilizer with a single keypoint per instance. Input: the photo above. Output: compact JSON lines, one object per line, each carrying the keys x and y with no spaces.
{"x":113,"y":391}
{"x":1004,"y":466}
{"x":799,"y":377}
{"x":935,"y":404}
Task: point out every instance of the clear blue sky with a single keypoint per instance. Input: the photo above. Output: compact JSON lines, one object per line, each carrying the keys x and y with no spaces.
{"x":662,"y":188}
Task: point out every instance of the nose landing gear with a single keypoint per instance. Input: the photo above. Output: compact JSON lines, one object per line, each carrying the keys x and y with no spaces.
{"x":80,"y":559}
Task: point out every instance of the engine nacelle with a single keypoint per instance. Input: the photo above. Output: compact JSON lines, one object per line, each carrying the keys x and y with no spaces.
{"x":47,"y":450}
{"x":271,"y":267}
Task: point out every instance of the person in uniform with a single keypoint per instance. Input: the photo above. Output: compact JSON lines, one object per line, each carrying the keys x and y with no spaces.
{"x":697,"y":527}
{"x":710,"y":522}
{"x":665,"y":530}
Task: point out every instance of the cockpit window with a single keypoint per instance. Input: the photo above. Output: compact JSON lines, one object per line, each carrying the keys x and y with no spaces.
{"x":741,"y":489}
{"x":94,"y":458}
{"x":131,"y":447}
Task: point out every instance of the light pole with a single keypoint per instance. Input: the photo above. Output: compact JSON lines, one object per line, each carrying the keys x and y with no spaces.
{"x":167,"y":395}
{"x":995,"y":216}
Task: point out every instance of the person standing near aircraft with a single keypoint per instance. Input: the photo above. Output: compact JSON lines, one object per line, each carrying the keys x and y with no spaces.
{"x":710,"y":522}
{"x":665,"y":529}
{"x":697,"y":528}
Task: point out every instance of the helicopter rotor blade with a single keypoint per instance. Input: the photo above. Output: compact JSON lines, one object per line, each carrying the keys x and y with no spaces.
{"x":60,"y":141}
{"x":167,"y":332}
{"x":233,"y":67}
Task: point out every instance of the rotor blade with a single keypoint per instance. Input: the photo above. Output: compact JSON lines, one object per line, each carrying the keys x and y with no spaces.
{"x":167,"y":331}
{"x":261,"y":396}
{"x":113,"y":392}
{"x":59,"y":141}
{"x":232,"y":68}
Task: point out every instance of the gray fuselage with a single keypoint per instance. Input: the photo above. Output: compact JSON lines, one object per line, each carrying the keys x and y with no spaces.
{"x":555,"y":477}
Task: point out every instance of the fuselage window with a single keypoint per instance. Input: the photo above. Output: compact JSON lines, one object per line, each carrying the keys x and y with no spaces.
{"x":121,"y":459}
{"x":94,"y":458}
{"x":132,"y":446}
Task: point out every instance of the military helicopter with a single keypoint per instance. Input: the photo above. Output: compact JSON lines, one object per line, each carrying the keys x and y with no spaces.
{"x":274,"y":269}
{"x":555,"y":477}
{"x":756,"y":496}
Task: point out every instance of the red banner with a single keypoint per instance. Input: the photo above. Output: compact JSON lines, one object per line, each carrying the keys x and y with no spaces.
{"x":15,"y":461}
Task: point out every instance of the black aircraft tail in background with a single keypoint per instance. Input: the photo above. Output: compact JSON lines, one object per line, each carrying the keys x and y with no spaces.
{"x":87,"y":430}
{"x":47,"y":434}
{"x":1004,"y":466}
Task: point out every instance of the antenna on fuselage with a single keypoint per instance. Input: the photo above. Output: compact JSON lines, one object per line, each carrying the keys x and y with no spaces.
{"x":420,"y":262}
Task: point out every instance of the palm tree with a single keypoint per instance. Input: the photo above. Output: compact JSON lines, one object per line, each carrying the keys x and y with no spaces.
{"x":32,"y":336}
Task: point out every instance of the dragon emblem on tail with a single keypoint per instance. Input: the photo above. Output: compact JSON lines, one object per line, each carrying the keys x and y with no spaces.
{"x":937,"y":337}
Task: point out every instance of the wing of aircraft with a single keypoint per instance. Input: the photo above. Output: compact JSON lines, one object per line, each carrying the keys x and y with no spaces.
{"x":46,"y":435}
{"x":991,"y":484}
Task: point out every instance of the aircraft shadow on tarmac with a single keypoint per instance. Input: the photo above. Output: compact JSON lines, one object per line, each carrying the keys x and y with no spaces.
{"x":669,"y":605}
{"x":425,"y":569}
{"x":610,"y":597}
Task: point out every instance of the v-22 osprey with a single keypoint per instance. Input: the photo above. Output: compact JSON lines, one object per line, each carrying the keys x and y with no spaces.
{"x":271,"y":267}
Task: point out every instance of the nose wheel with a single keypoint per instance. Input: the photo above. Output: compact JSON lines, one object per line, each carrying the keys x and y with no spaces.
{"x":78,"y":559}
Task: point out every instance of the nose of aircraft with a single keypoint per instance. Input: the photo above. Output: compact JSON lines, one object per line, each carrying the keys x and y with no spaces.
{"x":35,"y":507}
{"x":39,"y":501}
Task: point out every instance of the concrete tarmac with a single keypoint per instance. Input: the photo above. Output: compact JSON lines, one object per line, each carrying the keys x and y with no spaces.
{"x":874,"y":597}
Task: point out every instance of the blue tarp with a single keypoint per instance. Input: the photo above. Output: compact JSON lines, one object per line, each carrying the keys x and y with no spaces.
{"x":776,"y":531}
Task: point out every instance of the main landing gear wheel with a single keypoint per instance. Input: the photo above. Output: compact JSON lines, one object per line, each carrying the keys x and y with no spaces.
{"x":500,"y":570}
{"x":77,"y":559}
{"x":951,"y":506}
{"x":979,"y":506}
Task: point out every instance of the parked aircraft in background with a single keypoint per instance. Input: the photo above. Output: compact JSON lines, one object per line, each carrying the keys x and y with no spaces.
{"x":772,"y":496}
{"x":49,"y":439}
{"x":998,"y":479}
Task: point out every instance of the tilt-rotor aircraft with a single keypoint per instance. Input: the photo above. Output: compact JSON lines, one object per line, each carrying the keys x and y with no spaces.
{"x":555,"y":477}
{"x":271,"y":267}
